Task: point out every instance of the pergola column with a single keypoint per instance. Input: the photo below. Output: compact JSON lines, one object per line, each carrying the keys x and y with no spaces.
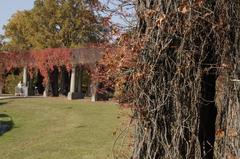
{"x":75,"y":84}
{"x":93,"y":92}
{"x":88,"y":93}
{"x":25,"y":76}
{"x":47,"y":85}
{"x":25,"y":80}
{"x":45,"y":93}
{"x":1,"y":87}
{"x":73,"y":80}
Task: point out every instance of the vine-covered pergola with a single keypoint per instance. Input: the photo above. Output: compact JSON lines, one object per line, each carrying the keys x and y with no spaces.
{"x":49,"y":62}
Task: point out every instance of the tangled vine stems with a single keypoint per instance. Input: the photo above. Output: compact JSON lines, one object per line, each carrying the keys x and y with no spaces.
{"x":185,"y":46}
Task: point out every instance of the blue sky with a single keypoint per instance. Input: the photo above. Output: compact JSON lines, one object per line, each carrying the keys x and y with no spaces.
{"x":9,"y":7}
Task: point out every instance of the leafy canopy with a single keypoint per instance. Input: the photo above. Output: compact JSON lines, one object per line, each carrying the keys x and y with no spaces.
{"x":55,"y":24}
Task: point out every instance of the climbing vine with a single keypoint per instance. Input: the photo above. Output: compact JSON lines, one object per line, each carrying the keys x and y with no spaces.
{"x":184,"y":46}
{"x":45,"y":60}
{"x":182,"y":53}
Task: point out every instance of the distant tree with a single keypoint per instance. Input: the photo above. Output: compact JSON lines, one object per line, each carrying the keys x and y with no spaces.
{"x":62,"y":23}
{"x":16,"y":31}
{"x":2,"y":42}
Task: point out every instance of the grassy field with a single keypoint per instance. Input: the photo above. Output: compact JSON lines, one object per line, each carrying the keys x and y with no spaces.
{"x":55,"y":128}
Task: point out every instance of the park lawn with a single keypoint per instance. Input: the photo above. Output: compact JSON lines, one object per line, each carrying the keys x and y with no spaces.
{"x":55,"y":128}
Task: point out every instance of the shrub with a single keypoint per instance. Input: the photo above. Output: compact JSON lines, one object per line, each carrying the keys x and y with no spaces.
{"x":11,"y":82}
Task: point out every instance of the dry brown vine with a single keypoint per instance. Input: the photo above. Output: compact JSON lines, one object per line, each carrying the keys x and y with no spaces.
{"x":185,"y":46}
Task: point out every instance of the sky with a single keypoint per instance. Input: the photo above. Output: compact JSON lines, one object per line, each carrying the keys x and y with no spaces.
{"x":9,"y":7}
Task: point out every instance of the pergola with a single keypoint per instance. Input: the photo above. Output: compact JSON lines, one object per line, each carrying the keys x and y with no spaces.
{"x":79,"y":59}
{"x":83,"y":56}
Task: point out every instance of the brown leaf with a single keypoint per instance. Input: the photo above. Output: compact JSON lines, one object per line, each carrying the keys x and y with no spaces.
{"x":149,"y":13}
{"x":207,"y":14}
{"x":220,"y":134}
{"x":224,"y":65}
{"x":199,"y":2}
{"x":160,"y":19}
{"x":184,"y":8}
{"x":232,"y":133}
{"x":230,"y":156}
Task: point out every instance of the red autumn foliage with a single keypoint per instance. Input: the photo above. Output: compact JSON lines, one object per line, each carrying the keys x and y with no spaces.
{"x":114,"y":69}
{"x":11,"y":60}
{"x":44,"y":60}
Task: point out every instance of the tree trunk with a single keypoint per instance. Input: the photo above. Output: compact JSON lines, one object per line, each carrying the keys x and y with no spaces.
{"x":182,"y":48}
{"x":228,"y":127}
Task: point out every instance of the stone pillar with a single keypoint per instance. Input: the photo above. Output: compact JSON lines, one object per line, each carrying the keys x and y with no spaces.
{"x":46,"y":90}
{"x":88,"y":93}
{"x":74,"y":94}
{"x":25,"y":84}
{"x":73,"y":80}
{"x":47,"y":85}
{"x":1,"y":87}
{"x":45,"y":93}
{"x":94,"y":92}
{"x":25,"y":76}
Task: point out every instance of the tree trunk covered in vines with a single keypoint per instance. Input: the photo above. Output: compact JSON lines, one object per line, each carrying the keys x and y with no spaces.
{"x":228,"y":84}
{"x":184,"y":46}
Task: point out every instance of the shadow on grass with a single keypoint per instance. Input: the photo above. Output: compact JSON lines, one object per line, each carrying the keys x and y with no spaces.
{"x":6,"y":123}
{"x":81,"y":126}
{"x":2,"y":103}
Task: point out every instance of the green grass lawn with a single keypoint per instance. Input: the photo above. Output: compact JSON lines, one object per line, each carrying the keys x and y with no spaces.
{"x":55,"y":128}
